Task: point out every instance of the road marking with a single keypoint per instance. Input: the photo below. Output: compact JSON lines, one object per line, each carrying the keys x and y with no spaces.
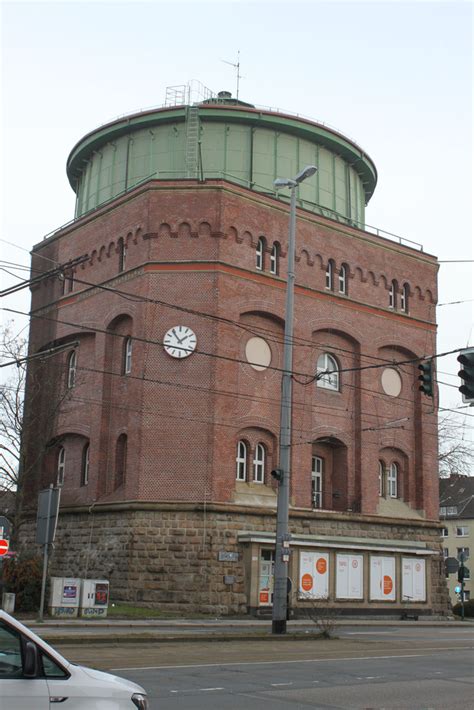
{"x":206,"y":690}
{"x":302,"y":660}
{"x":274,"y":685}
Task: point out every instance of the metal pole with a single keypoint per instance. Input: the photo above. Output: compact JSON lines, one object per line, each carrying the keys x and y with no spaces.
{"x":45,"y":556}
{"x":283,"y":501}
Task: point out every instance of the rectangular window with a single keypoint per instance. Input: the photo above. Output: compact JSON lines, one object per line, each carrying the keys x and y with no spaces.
{"x":446,"y":552}
{"x":349,"y":576}
{"x":314,"y":575}
{"x":452,"y":510}
{"x":462,"y":531}
{"x":463,"y":551}
{"x":413,"y":580}
{"x":444,"y":532}
{"x":317,"y":465}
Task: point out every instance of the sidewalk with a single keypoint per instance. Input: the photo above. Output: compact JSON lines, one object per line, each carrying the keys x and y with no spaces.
{"x":68,"y":631}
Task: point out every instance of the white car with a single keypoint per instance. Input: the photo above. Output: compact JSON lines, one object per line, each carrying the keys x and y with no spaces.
{"x":33,"y":676}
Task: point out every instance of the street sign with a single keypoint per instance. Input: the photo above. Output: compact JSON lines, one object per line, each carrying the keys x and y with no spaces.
{"x":47,"y":517}
{"x":3,"y":547}
{"x":451,"y":564}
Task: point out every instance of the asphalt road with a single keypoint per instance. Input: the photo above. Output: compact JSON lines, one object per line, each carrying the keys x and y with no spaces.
{"x":398,"y":668}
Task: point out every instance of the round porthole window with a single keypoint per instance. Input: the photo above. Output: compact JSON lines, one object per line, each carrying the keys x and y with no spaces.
{"x":391,"y":382}
{"x":258,"y":353}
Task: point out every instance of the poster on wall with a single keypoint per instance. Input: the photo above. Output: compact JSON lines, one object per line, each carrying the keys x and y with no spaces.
{"x":349,"y":577}
{"x":314,"y":575}
{"x":413,"y":580}
{"x":382,"y":578}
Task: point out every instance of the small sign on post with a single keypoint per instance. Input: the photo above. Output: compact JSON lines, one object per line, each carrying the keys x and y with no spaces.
{"x":3,"y":547}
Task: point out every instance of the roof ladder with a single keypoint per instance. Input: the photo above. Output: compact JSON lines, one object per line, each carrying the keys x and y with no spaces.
{"x":192,"y":141}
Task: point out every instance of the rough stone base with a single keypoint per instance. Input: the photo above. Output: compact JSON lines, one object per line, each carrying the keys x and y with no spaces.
{"x":167,"y":556}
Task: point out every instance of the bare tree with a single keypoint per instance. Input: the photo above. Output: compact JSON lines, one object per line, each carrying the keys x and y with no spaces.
{"x":13,"y":349}
{"x":456,"y":449}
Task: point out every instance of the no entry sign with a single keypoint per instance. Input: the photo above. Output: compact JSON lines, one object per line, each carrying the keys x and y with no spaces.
{"x":3,"y":547}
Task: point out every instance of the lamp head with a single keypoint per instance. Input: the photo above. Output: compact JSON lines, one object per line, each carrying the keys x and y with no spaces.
{"x":305,"y":173}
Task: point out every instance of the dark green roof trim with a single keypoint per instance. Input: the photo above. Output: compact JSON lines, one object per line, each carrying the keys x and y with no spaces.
{"x":303,"y":128}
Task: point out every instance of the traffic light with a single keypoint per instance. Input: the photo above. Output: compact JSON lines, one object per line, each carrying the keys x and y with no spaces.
{"x":463,"y":573}
{"x":466,"y":358}
{"x":426,"y":377}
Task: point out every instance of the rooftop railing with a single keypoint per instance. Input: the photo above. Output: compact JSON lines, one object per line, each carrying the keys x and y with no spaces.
{"x":261,"y":189}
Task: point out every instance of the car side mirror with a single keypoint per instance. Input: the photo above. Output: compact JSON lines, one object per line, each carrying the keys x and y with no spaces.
{"x":30,"y":661}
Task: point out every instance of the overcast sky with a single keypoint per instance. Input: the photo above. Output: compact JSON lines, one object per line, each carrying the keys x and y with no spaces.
{"x":396,"y":77}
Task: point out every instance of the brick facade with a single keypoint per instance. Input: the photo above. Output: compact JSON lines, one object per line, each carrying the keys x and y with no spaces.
{"x":190,"y":259}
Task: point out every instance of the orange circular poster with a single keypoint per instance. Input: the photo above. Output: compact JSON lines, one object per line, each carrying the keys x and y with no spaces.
{"x":307,"y":582}
{"x":387,"y":584}
{"x":321,"y":565}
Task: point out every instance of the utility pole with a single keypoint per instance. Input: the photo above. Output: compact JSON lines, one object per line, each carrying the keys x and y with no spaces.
{"x":282,"y":474}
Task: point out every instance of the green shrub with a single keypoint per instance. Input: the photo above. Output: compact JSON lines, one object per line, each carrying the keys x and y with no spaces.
{"x":22,"y":575}
{"x":468,"y":608}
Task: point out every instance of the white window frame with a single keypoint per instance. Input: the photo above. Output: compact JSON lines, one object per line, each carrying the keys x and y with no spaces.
{"x":381,"y":479}
{"x":259,"y":254}
{"x":404,"y":298}
{"x":392,"y":296}
{"x":392,"y":480}
{"x":446,"y":552}
{"x":464,"y":550}
{"x":127,"y":356}
{"x":71,"y":370}
{"x":259,"y":464}
{"x":462,"y":531}
{"x":241,"y":461}
{"x":451,"y":510}
{"x":328,"y":364}
{"x":122,"y":255}
{"x":61,"y":466}
{"x":85,"y":465}
{"x":444,"y":532}
{"x":274,"y":257}
{"x":330,"y":275}
{"x":343,"y":279}
{"x":317,"y":472}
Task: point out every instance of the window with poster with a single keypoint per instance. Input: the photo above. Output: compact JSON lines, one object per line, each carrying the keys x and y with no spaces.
{"x":313,"y":575}
{"x":266,"y":577}
{"x":382,"y":578}
{"x":349,"y":576}
{"x":413,"y":580}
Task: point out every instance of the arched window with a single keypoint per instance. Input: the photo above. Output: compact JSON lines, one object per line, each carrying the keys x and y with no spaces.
{"x":85,"y":465}
{"x":241,"y":461}
{"x":392,"y":480}
{"x":61,"y":466}
{"x":327,"y":371}
{"x":259,"y":464}
{"x":127,"y":356}
{"x":122,"y":250}
{"x":120,"y":460}
{"x":317,"y":469}
{"x":330,"y":275}
{"x":343,"y":279}
{"x":381,"y":478}
{"x":71,"y":369}
{"x":259,"y":254}
{"x":404,"y":298}
{"x":275,"y":259}
{"x":392,"y":295}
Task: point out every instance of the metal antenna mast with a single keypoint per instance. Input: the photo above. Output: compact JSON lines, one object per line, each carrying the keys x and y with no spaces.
{"x":237,"y":67}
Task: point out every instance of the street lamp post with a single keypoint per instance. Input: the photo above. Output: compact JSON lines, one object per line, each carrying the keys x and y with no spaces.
{"x":282,"y":549}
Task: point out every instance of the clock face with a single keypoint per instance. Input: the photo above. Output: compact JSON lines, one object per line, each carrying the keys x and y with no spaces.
{"x":180,"y":341}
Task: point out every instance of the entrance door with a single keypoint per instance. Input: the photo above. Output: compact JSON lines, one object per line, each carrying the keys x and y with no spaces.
{"x":265,"y":581}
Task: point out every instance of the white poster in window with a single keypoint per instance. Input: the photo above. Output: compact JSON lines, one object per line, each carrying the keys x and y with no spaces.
{"x":413,"y":580}
{"x":349,"y":576}
{"x":314,"y":575}
{"x":382,"y":578}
